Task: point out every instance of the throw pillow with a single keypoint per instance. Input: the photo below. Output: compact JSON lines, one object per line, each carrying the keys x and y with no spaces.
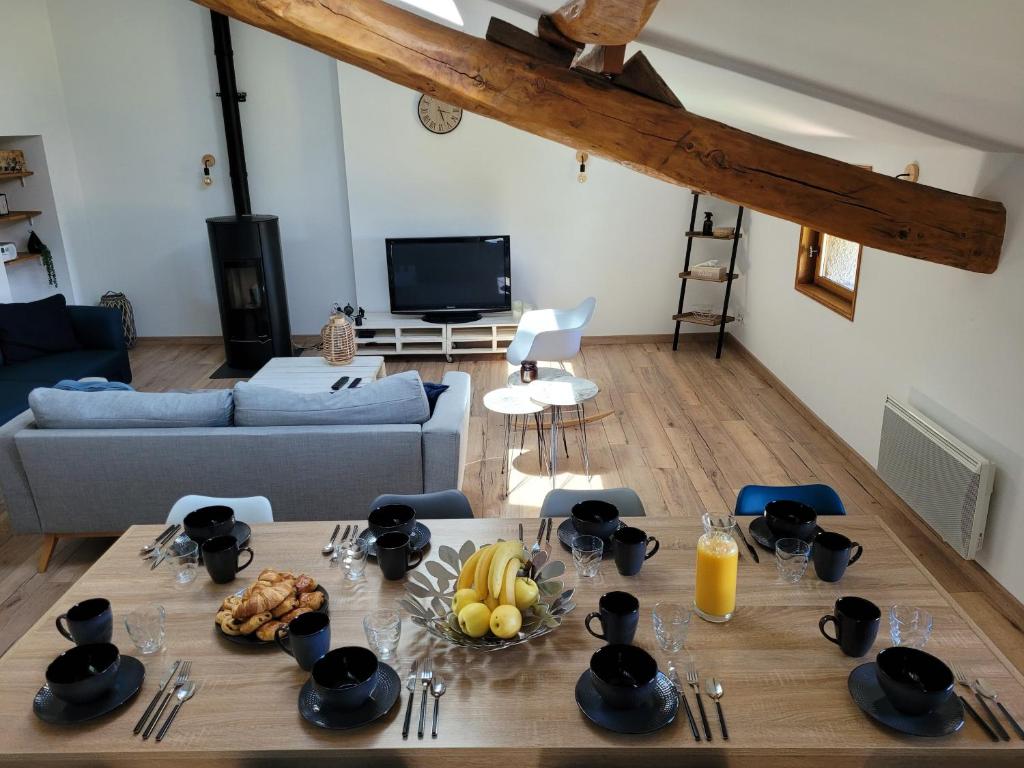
{"x":60,"y":409}
{"x":397,"y":399}
{"x":93,"y":386}
{"x":433,"y":392}
{"x":36,"y":328}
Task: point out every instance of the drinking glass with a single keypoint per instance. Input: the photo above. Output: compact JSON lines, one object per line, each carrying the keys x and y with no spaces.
{"x":383,"y":630}
{"x":791,"y":557}
{"x":352,"y":558}
{"x":587,"y":552}
{"x":671,"y":626}
{"x":909,"y":626}
{"x":182,"y":562}
{"x":146,"y":628}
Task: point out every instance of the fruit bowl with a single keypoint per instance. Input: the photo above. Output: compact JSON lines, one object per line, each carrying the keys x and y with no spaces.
{"x":429,"y":599}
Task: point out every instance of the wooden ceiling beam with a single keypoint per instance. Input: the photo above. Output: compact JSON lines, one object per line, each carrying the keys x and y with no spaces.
{"x":603,"y":22}
{"x":672,"y":144}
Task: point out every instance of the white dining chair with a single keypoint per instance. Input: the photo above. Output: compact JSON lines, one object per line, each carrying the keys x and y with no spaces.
{"x":551,"y":335}
{"x":249,"y":509}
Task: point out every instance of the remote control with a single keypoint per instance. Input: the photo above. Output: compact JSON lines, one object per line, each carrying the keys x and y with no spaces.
{"x":339,"y":383}
{"x":355,"y":383}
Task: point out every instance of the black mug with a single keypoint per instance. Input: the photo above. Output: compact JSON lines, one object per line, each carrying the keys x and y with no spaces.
{"x":393,"y":553}
{"x":619,"y":614}
{"x":308,"y":638}
{"x":631,"y":548}
{"x":832,"y":553}
{"x":856,"y":621}
{"x":90,"y":621}
{"x":220,"y":556}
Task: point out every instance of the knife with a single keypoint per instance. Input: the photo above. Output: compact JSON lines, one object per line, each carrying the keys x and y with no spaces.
{"x":977,"y":718}
{"x":547,"y":539}
{"x":164,"y":552}
{"x":673,"y":676}
{"x":750,"y":549}
{"x":156,"y":696}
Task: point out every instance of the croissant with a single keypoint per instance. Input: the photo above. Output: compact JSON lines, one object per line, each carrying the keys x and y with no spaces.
{"x":305,"y":584}
{"x":311,"y":600}
{"x":269,"y":574}
{"x":293,"y":614}
{"x":286,"y":605}
{"x":261,"y":601}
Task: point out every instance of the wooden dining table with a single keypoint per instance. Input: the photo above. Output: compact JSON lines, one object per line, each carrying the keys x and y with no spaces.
{"x":786,"y":698}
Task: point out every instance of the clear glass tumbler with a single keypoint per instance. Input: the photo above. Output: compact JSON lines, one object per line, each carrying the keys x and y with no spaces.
{"x":352,"y":558}
{"x":671,"y":626}
{"x":587,"y":552}
{"x":182,"y":562}
{"x":791,"y":558}
{"x":383,"y":631}
{"x":146,"y":628}
{"x":909,"y":626}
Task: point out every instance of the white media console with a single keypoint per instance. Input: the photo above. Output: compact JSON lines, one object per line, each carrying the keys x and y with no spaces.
{"x":408,"y":335}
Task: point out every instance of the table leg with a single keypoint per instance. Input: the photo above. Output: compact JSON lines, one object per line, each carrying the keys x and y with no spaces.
{"x":540,"y":441}
{"x":580,"y":417}
{"x":504,"y":455}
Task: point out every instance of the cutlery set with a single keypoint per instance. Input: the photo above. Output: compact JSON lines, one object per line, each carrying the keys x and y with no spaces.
{"x":182,"y":689}
{"x":157,"y":550}
{"x":984,"y":693}
{"x":713,"y":688}
{"x":333,"y":549}
{"x":545,"y":523}
{"x":432,"y":686}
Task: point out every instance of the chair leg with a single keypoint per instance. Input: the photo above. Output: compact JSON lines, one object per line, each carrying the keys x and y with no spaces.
{"x":46,"y":551}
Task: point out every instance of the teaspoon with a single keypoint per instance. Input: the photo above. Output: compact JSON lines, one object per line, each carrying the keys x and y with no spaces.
{"x":437,"y":691}
{"x":715,"y":691}
{"x":328,"y":548}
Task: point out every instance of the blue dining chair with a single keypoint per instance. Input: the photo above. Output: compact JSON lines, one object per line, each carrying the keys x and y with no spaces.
{"x":825,"y":501}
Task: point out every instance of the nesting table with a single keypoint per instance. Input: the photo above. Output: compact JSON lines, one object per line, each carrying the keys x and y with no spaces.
{"x":516,"y":406}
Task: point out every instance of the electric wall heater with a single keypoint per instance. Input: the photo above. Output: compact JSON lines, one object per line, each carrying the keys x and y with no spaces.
{"x":943,"y":480}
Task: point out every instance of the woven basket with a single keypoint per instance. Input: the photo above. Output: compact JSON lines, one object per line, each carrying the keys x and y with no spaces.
{"x":339,"y":340}
{"x":121,"y":303}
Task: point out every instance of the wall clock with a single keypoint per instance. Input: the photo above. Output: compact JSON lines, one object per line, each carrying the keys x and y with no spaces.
{"x":438,"y":117}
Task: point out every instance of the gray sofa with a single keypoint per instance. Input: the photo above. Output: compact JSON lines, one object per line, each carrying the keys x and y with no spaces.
{"x":88,"y":481}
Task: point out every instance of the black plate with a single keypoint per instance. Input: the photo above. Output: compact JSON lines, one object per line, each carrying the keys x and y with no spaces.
{"x":381,"y":701}
{"x":252,"y":640}
{"x":419,"y":540}
{"x":657,"y":713}
{"x":762,"y":534}
{"x":865,"y":690}
{"x":50,"y":709}
{"x":567,"y":532}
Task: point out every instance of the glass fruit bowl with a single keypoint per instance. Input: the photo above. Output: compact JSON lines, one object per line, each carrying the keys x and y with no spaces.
{"x":429,"y":596}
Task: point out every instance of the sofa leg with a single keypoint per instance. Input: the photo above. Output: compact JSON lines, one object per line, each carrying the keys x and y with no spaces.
{"x":46,"y":551}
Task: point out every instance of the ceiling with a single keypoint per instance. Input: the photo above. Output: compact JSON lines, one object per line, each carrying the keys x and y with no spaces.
{"x":948,"y":68}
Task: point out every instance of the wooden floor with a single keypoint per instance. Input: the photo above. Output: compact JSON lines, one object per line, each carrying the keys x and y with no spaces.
{"x":686,"y":432}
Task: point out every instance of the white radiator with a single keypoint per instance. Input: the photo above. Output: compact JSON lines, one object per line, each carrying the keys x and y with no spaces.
{"x":943,"y":480}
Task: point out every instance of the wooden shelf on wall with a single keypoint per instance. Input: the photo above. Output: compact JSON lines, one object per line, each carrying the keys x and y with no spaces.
{"x":722,"y":279}
{"x":18,"y":175}
{"x":14,"y":216}
{"x":701,"y":235}
{"x":693,"y":317}
{"x":22,"y":257}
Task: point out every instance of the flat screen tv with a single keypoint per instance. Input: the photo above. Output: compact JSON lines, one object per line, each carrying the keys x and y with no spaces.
{"x":449,"y":279}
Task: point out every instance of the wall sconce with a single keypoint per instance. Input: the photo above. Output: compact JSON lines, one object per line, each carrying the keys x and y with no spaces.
{"x":581,"y":158}
{"x":208,"y":162}
{"x":910,"y":173}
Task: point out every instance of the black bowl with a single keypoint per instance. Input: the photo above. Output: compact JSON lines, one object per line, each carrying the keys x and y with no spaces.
{"x":625,"y":676}
{"x":791,"y":519}
{"x":392,"y":517}
{"x":345,"y":677}
{"x":207,"y":522}
{"x":595,"y":518}
{"x":915,"y":682}
{"x":84,"y":673}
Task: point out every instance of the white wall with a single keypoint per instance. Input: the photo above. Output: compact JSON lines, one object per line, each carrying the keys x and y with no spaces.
{"x":139,"y":79}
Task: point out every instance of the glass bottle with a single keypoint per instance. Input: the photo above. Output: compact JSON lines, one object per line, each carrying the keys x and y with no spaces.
{"x":717,"y":564}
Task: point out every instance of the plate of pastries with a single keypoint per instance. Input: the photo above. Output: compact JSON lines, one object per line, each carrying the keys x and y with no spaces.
{"x":251,"y":616}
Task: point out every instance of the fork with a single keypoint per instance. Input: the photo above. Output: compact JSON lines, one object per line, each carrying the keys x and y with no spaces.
{"x":426,"y":677}
{"x":183,"y":672}
{"x":694,"y":680}
{"x":540,"y":534}
{"x":961,"y":678}
{"x":411,"y":685}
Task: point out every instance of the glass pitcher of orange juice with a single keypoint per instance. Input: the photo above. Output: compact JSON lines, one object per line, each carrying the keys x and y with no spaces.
{"x":717,"y":563}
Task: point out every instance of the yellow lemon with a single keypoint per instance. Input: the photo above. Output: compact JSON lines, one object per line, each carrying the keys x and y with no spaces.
{"x":474,"y":619}
{"x":527,"y":593}
{"x":463,"y":598}
{"x":505,"y":621}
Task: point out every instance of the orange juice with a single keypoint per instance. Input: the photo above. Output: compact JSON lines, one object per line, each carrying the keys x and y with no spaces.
{"x":717,"y":563}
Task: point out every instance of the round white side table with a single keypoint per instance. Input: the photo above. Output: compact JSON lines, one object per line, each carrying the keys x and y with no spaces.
{"x":559,"y":394}
{"x":515,"y":404}
{"x":544,"y":373}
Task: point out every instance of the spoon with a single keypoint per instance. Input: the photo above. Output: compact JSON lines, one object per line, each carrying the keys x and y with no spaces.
{"x":715,"y":691}
{"x":437,"y":691}
{"x":986,"y":690}
{"x":327,"y":548}
{"x":184,"y":694}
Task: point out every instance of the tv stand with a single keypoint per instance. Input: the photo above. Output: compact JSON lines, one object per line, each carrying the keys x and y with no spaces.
{"x":451,"y":318}
{"x":411,"y":335}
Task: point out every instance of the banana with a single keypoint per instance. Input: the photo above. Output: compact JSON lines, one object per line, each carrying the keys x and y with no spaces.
{"x":468,"y":572}
{"x":508,"y":586}
{"x":504,"y":552}
{"x":483,"y":570}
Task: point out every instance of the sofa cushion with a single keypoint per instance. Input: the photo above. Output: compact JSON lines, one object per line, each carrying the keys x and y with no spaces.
{"x":397,"y":399}
{"x":60,"y":409}
{"x":35,"y":328}
{"x":47,"y":371}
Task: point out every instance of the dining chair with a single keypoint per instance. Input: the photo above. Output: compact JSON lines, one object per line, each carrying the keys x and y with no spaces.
{"x":825,"y":501}
{"x":439,"y":505}
{"x":552,"y":335}
{"x":560,"y":501}
{"x":249,"y":509}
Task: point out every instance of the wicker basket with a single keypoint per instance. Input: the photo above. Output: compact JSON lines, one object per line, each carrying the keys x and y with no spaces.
{"x":339,"y":340}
